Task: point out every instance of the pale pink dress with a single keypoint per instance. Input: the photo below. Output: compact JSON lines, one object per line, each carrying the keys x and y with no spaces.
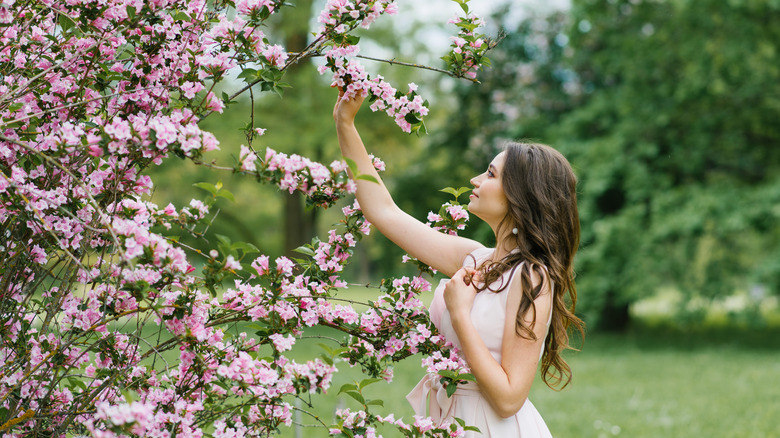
{"x":467,"y":403}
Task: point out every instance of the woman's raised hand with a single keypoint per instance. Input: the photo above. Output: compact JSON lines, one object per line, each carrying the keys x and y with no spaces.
{"x":346,"y":109}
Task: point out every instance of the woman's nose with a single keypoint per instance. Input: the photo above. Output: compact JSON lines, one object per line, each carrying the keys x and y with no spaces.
{"x":475,"y":181}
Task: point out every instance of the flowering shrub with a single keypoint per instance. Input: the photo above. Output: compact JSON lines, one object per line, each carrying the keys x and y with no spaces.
{"x":107,"y":328}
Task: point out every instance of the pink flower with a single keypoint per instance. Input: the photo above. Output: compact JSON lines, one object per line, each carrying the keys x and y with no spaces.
{"x":214,"y":103}
{"x":284,"y":266}
{"x":260,"y":265}
{"x":282,"y":343}
{"x":275,"y":55}
{"x":247,"y":158}
{"x":95,"y":150}
{"x":190,"y":89}
{"x":232,"y":264}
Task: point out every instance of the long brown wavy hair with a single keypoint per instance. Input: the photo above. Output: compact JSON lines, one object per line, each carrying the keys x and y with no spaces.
{"x":540,"y":188}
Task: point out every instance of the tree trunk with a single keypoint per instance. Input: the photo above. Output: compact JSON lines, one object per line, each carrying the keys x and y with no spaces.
{"x":615,"y":316}
{"x":299,"y":226}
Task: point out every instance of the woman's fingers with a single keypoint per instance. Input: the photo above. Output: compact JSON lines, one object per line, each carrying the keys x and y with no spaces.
{"x":466,"y":275}
{"x":346,"y":108}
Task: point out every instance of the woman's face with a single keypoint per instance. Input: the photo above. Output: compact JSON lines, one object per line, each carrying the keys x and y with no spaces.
{"x":487,"y":200}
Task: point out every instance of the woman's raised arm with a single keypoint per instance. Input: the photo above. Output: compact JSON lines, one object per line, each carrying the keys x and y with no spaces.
{"x":443,"y":252}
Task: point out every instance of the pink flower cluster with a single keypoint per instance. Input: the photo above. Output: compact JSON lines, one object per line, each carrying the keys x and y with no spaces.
{"x":322,"y":185}
{"x":342,"y":16}
{"x":359,"y":423}
{"x":468,"y":48}
{"x":451,"y":218}
{"x":407,"y":109}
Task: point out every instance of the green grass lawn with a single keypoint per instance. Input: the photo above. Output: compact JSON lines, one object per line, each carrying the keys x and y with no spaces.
{"x":650,"y":382}
{"x":669,"y":384}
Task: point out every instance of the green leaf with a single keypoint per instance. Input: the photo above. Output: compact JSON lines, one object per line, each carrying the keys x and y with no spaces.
{"x":357,"y":396}
{"x":448,"y":373}
{"x":412,"y":118}
{"x":181,"y":16}
{"x":245,"y":247}
{"x":211,"y":188}
{"x":347,"y":387}
{"x":247,"y":73}
{"x":451,"y":388}
{"x":375,"y":403}
{"x":224,"y":239}
{"x":74,"y":382}
{"x":367,"y":178}
{"x":450,"y":190}
{"x":227,"y":195}
{"x":463,"y":5}
{"x":467,"y":376}
{"x":128,"y":396}
{"x":365,"y":382}
{"x":305,"y":250}
{"x":66,"y":22}
{"x":353,"y":167}
{"x":130,"y":12}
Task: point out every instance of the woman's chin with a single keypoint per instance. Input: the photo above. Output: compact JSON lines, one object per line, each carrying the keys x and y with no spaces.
{"x":473,"y":209}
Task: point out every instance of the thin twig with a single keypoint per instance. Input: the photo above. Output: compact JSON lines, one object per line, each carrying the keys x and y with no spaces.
{"x":392,"y":61}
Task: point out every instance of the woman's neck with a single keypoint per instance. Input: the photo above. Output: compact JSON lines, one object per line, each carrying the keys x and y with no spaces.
{"x":503,"y":249}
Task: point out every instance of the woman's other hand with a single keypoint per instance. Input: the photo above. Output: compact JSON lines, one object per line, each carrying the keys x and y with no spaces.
{"x":345,"y":109}
{"x":459,"y":293}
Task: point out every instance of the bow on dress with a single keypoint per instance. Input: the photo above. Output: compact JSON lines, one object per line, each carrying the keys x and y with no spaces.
{"x":430,"y":391}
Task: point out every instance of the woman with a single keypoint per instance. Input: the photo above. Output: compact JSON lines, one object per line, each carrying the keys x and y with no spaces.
{"x":505,"y":308}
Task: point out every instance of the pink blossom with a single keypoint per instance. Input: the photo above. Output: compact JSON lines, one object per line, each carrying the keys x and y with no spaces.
{"x":260,"y":265}
{"x":247,"y":159}
{"x":275,"y":55}
{"x":190,"y":89}
{"x":284,"y":266}
{"x":214,"y":103}
{"x":282,"y":343}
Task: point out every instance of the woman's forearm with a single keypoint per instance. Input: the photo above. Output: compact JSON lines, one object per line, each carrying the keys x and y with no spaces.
{"x":373,"y":197}
{"x":505,"y":396}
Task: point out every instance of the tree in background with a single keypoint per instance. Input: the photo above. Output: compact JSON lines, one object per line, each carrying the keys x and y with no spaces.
{"x":107,"y":327}
{"x":668,"y":112}
{"x":676,"y":141}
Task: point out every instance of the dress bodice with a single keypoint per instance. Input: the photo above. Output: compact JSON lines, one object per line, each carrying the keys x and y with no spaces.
{"x":488,"y":312}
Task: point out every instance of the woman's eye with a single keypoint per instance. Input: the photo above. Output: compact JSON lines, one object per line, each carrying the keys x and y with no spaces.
{"x":490,"y":174}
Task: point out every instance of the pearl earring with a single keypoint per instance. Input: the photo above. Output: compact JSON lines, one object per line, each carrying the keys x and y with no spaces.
{"x":514,"y":231}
